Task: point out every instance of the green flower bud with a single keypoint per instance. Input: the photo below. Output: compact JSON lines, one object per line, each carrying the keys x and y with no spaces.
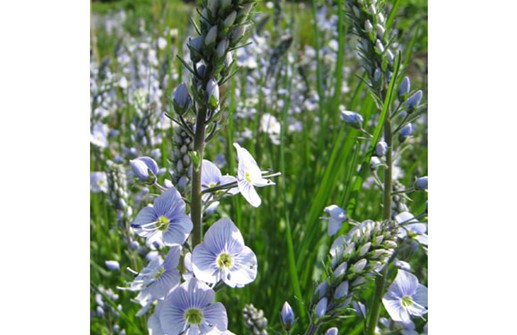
{"x":230,"y":19}
{"x":211,"y":36}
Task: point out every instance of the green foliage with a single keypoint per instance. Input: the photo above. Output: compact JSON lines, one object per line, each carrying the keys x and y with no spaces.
{"x":318,"y":168}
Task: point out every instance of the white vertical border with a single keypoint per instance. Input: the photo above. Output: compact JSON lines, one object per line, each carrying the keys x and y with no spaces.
{"x":472,"y":128}
{"x":44,"y":167}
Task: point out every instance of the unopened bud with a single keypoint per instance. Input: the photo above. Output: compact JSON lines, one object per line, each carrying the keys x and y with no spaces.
{"x":380,"y":31}
{"x":182,"y":99}
{"x":405,"y":86}
{"x":421,"y":183}
{"x":221,"y":48}
{"x":211,"y":36}
{"x":341,"y":290}
{"x":321,"y":308}
{"x":287,"y":316}
{"x":196,"y":46}
{"x":368,"y":27}
{"x":414,"y":100}
{"x":213,"y":5}
{"x":230,"y":19}
{"x":360,"y":265}
{"x":381,"y":148}
{"x":405,"y":132}
{"x":145,"y":168}
{"x":379,"y":47}
{"x":352,"y":118}
{"x":212,"y":91}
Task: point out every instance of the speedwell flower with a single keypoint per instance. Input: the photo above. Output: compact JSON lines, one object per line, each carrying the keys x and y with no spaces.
{"x":223,"y":255}
{"x":405,"y":297}
{"x":337,"y":216}
{"x":164,"y":221}
{"x":166,"y":277}
{"x":190,"y":310}
{"x":98,"y":182}
{"x":211,"y":176}
{"x":249,"y":175}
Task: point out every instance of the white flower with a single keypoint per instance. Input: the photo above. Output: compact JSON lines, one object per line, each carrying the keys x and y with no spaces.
{"x":249,"y":175}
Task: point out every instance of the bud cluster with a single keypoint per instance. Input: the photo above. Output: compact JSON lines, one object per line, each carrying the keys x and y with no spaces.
{"x":354,"y":257}
{"x":255,"y":320}
{"x":117,"y":192}
{"x":223,"y":25}
{"x":181,"y":162}
{"x":370,"y":25}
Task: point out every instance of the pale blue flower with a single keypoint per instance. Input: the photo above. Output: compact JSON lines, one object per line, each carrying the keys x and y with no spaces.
{"x":405,"y":297}
{"x":337,"y":216}
{"x":332,"y":331}
{"x":153,"y":323}
{"x":166,"y":277}
{"x":165,"y":221}
{"x":249,"y":175}
{"x":144,"y":168}
{"x":211,"y":177}
{"x":99,"y":135}
{"x":98,"y":182}
{"x":223,"y":256}
{"x":287,"y":316}
{"x":190,"y":310}
{"x":411,"y":227}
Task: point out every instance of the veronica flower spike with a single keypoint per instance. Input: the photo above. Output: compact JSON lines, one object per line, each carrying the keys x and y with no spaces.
{"x":165,"y":221}
{"x":223,"y":255}
{"x":249,"y":175}
{"x":190,"y":309}
{"x":405,"y":297}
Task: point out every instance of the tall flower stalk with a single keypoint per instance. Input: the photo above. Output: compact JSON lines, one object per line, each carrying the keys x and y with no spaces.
{"x":382,"y":69}
{"x":222,"y":26}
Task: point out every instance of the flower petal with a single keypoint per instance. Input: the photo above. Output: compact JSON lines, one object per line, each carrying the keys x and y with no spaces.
{"x":406,"y":283}
{"x":178,"y":230}
{"x":223,"y":235}
{"x":244,"y":269}
{"x":246,"y":164}
{"x":249,"y":193}
{"x":210,"y":173}
{"x":169,"y":204}
{"x":215,"y":314}
{"x":395,"y":310}
{"x":204,"y":264}
{"x":146,"y":216}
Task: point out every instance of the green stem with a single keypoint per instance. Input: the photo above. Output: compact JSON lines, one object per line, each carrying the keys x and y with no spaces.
{"x":380,"y":281}
{"x":312,"y":329}
{"x":195,"y":205}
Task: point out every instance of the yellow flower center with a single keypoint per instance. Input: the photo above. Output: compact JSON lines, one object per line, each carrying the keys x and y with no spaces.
{"x":407,"y":301}
{"x":162,"y":223}
{"x":193,"y":316}
{"x":224,"y":260}
{"x":247,"y":176}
